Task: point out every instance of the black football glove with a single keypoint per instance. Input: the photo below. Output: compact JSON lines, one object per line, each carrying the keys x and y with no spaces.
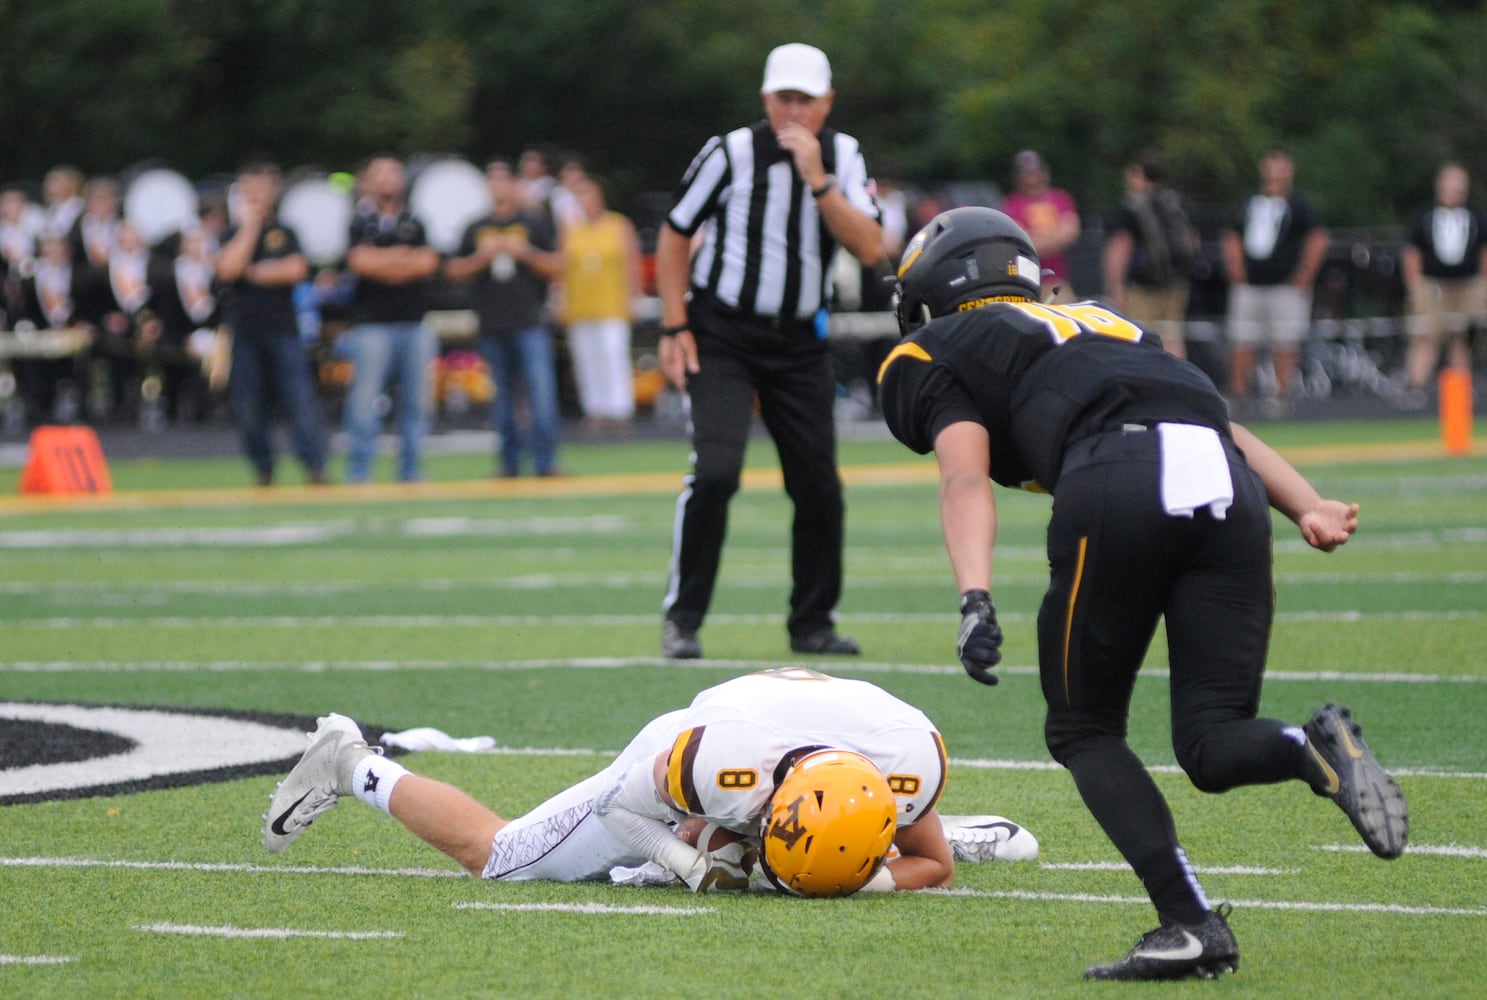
{"x":979,"y":645}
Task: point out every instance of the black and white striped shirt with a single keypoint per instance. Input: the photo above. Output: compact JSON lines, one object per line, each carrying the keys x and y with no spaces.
{"x":765,"y":248}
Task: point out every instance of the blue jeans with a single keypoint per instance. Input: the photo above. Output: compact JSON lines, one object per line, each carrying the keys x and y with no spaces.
{"x":530,"y":353}
{"x":377,"y":350}
{"x":263,"y":368}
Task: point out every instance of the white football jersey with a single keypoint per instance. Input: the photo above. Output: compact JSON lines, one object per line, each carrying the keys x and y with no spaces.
{"x":737,"y":739}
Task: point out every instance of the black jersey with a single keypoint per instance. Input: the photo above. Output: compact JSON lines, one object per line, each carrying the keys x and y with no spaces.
{"x":263,"y":312}
{"x":1038,"y":378}
{"x":376,"y":301}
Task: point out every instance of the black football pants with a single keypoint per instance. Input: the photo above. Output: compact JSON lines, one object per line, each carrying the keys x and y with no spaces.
{"x":1118,"y":564}
{"x":790,"y":371}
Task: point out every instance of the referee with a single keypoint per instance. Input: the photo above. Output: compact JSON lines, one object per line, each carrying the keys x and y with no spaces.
{"x":745,"y":316}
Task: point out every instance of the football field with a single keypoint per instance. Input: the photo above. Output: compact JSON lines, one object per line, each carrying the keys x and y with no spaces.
{"x":161,"y":647}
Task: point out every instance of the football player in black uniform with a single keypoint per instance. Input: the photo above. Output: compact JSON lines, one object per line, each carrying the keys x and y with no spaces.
{"x":1159,"y":510}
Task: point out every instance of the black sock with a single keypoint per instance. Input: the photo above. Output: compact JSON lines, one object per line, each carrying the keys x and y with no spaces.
{"x":1129,"y":807}
{"x":1172,"y":885}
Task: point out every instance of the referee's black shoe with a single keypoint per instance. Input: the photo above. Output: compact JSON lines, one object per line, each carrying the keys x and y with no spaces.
{"x":1348,"y":773}
{"x":824,"y":642}
{"x":679,"y":643}
{"x":1204,"y":950}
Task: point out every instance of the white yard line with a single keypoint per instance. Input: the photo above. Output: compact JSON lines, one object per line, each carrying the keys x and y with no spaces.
{"x":186,"y":866}
{"x":1398,"y":909}
{"x":1018,"y":894}
{"x":195,"y":930}
{"x":620,"y":662}
{"x":310,"y":533}
{"x":590,"y":908}
{"x":35,"y":959}
{"x":1121,"y":866}
{"x":437,"y":621}
{"x":1430,"y":850}
{"x":94,"y":590}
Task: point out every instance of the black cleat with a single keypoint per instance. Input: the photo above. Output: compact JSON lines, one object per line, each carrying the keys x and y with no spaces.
{"x":1353,"y":778}
{"x":679,"y":643}
{"x":1203,"y":950}
{"x":825,"y":642}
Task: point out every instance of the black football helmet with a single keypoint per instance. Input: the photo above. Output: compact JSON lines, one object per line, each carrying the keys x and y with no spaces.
{"x":963,"y":258}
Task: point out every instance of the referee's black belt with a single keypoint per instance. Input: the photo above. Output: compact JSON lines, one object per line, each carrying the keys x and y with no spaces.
{"x":783,"y":324}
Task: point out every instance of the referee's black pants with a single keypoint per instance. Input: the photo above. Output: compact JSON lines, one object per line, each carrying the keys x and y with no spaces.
{"x":789,"y":369}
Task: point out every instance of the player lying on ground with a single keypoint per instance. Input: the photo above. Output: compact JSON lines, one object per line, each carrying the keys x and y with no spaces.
{"x":823,"y":775}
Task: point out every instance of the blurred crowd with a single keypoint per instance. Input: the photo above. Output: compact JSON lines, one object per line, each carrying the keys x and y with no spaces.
{"x":112,"y":311}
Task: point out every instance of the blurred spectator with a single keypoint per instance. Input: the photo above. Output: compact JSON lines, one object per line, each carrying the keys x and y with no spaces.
{"x":259,"y":264}
{"x":393,"y":264}
{"x":127,"y":324}
{"x":49,"y":299}
{"x":876,"y":280}
{"x":1271,"y":257}
{"x":893,"y":206}
{"x":213,"y":221}
{"x":17,"y":252}
{"x":535,"y":178}
{"x":1444,"y":265}
{"x":510,"y":256}
{"x":870,"y":289}
{"x":564,"y":197}
{"x":1149,"y":250}
{"x":601,"y":277}
{"x":18,"y":228}
{"x":62,"y":192}
{"x":187,"y":308}
{"x":93,"y":234}
{"x":50,"y":294}
{"x":1049,"y":216}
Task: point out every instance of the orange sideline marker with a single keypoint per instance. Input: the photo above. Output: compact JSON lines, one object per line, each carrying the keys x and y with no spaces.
{"x":1456,"y":411}
{"x":65,"y":460}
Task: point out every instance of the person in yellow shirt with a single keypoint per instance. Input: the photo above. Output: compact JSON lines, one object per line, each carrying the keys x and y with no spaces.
{"x":601,"y":276}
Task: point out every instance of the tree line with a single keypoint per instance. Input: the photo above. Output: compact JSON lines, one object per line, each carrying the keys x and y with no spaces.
{"x":1370,"y":95}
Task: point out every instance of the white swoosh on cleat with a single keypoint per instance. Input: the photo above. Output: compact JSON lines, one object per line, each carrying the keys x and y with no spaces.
{"x":1190,"y":949}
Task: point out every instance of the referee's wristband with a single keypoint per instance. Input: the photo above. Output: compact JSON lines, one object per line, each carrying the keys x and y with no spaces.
{"x":672,"y":331}
{"x":824,"y":188}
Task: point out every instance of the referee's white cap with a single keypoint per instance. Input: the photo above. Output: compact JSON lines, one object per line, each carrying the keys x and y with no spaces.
{"x":797,"y":67}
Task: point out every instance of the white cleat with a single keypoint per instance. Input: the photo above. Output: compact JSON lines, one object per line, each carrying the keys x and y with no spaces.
{"x":988,"y":838}
{"x":322,"y":775}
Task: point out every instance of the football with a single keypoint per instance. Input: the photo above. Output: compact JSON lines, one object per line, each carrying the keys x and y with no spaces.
{"x":690,"y":828}
{"x":745,"y":855}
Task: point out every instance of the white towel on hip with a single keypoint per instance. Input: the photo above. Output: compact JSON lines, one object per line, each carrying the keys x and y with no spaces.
{"x":1195,"y":471}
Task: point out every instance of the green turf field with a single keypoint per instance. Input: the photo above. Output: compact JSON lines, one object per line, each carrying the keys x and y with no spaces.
{"x":530,"y":612}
